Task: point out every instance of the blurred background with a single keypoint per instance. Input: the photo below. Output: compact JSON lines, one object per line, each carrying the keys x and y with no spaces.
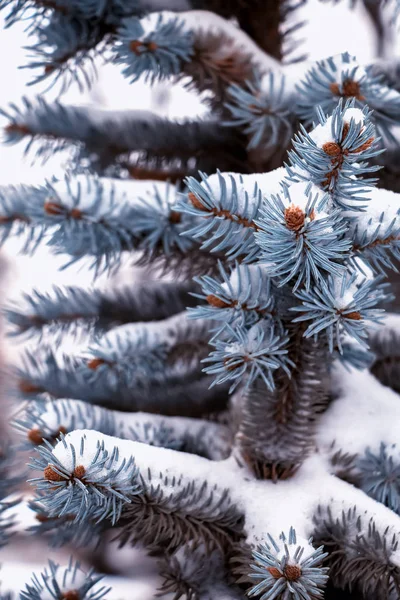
{"x":330,"y":29}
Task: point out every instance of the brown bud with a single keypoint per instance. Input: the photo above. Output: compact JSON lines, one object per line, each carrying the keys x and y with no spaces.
{"x":79,"y":471}
{"x":95,"y":363}
{"x":152,"y":46}
{"x":42,"y":518}
{"x":52,"y":208}
{"x":71,"y":595}
{"x":134,"y":46}
{"x":335,"y":89}
{"x":292,"y":572}
{"x":275,"y":572}
{"x":352,"y":89}
{"x":365,"y":146}
{"x":35,"y":436}
{"x":217,"y":302}
{"x":51,"y":475}
{"x":346,"y":128}
{"x":17,"y":128}
{"x":294,"y":217}
{"x":354,"y":316}
{"x":36,"y":320}
{"x":75,"y":213}
{"x":196,"y":202}
{"x":62,"y":430}
{"x":26,"y":387}
{"x":332,"y":149}
{"x":175,"y":217}
{"x":49,"y":69}
{"x":10,"y":218}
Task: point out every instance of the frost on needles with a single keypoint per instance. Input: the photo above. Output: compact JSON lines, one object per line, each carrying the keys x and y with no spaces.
{"x":239,"y":418}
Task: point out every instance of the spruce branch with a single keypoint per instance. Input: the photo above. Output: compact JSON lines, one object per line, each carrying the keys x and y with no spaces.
{"x":301,"y":239}
{"x":186,"y":509}
{"x":48,"y":419}
{"x":69,"y":36}
{"x":261,"y":109}
{"x":172,"y":394}
{"x":153,"y":367}
{"x":217,"y":63}
{"x":79,"y":310}
{"x":343,"y":305}
{"x":104,"y":137}
{"x":196,"y":574}
{"x":164,"y":45}
{"x":384,"y":343}
{"x":65,"y":582}
{"x":242,"y":296}
{"x":64,"y":530}
{"x":334,"y":155}
{"x":376,"y":233}
{"x":343,"y":77}
{"x":277,"y":427}
{"x":260,"y":20}
{"x":249,"y":355}
{"x":368,"y":460}
{"x":290,"y":574}
{"x":380,"y":477}
{"x":100,"y":219}
{"x":78,"y":477}
{"x":362,"y":556}
{"x":131,"y":352}
{"x":229,"y":205}
{"x":157,"y":53}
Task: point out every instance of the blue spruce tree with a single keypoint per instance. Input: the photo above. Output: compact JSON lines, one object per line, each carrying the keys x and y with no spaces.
{"x":239,"y":419}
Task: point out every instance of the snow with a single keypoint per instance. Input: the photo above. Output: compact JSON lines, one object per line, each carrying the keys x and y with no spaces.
{"x":246,"y":185}
{"x":200,"y":21}
{"x":299,"y":195}
{"x":247,"y":284}
{"x":15,"y":575}
{"x":345,"y":68}
{"x":390,"y":324}
{"x":67,"y":579}
{"x":323,"y":134}
{"x":383,"y":206}
{"x":267,"y":505}
{"x":148,"y":335}
{"x":343,"y":291}
{"x":24,"y":515}
{"x":115,"y":193}
{"x":364,"y":414}
{"x":75,"y":414}
{"x":365,"y":271}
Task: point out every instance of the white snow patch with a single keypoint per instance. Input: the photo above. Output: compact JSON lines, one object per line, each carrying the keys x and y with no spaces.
{"x":343,"y":294}
{"x":200,"y":21}
{"x":136,"y":336}
{"x":364,"y":414}
{"x":351,"y":67}
{"x":246,"y":185}
{"x":323,"y":134}
{"x":298,"y":197}
{"x":382,"y":207}
{"x":248,"y":285}
{"x":115,"y":193}
{"x":266,"y":506}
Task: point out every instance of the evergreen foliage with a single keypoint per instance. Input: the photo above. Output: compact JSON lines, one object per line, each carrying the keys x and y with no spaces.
{"x":65,"y":582}
{"x":173,"y":429}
